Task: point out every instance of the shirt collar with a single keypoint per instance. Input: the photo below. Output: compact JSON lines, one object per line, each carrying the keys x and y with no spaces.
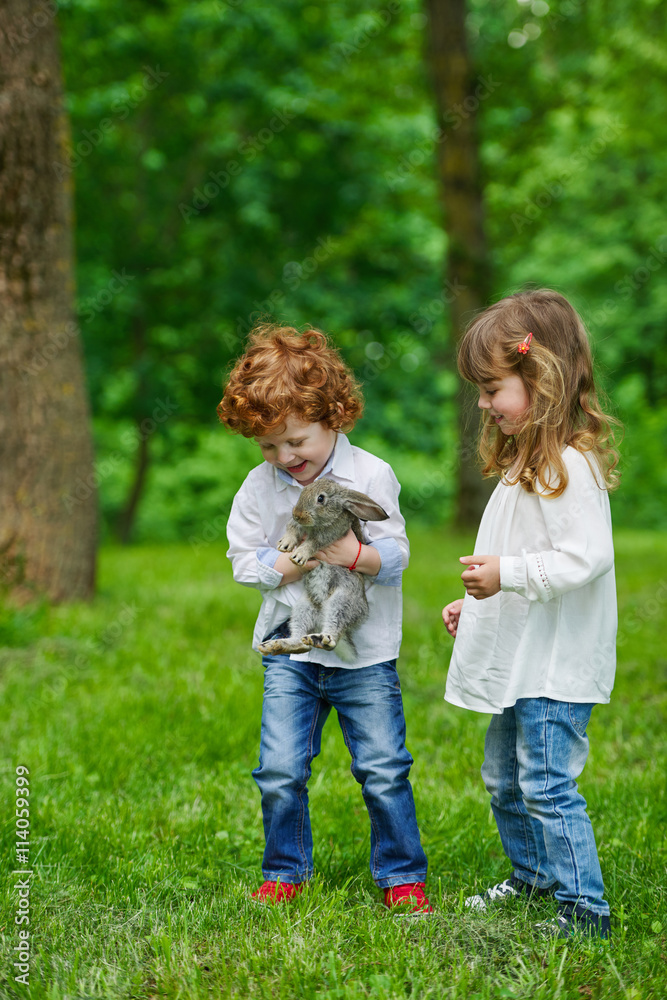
{"x":340,"y":463}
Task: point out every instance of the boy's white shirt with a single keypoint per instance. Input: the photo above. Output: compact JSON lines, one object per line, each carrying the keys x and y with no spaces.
{"x":259,"y":513}
{"x":551,"y":631}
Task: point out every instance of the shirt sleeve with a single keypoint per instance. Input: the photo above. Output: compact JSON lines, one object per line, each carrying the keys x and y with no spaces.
{"x":388,"y":537}
{"x":578,"y":530}
{"x":251,"y":556}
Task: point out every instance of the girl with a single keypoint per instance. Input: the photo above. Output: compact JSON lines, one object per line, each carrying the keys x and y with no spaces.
{"x":536,"y":633}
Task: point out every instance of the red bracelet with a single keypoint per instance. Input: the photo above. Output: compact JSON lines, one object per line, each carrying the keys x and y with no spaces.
{"x":356,"y":560}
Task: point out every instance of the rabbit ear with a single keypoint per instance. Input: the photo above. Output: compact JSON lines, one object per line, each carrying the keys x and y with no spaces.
{"x":363,"y":507}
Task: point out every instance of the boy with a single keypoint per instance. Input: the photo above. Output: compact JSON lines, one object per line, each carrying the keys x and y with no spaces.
{"x":293,"y":394}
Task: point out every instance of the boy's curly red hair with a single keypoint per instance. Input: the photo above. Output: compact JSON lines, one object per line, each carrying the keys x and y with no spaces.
{"x":286,"y":373}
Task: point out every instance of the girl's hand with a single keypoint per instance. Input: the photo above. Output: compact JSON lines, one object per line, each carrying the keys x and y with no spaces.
{"x":482,"y":578}
{"x":451,"y":615}
{"x":345,"y":551}
{"x":292,"y":573}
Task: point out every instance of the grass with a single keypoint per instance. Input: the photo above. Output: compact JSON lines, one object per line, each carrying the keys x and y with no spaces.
{"x":138,"y":719}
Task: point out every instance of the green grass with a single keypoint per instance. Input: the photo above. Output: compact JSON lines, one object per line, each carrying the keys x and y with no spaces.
{"x":138,"y":718}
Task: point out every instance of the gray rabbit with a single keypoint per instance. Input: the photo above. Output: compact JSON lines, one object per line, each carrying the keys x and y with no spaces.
{"x":334,"y":600}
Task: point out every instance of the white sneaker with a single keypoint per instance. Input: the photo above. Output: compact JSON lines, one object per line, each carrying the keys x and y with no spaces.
{"x":501,"y":891}
{"x":511,"y":887}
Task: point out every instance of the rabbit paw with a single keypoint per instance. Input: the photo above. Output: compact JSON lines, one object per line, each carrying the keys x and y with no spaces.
{"x":301,"y":556}
{"x":319,"y":639}
{"x":285,"y":544}
{"x":274,"y":647}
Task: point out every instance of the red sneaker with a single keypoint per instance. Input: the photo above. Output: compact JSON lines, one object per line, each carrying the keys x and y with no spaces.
{"x":277,"y":892}
{"x":410,"y":898}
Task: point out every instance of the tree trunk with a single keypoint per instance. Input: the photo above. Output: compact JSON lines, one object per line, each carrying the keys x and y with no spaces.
{"x":47,"y":487}
{"x":468,"y":270}
{"x":129,"y":512}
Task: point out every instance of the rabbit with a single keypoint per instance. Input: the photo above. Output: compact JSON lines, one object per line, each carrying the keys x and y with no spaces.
{"x":334,"y":600}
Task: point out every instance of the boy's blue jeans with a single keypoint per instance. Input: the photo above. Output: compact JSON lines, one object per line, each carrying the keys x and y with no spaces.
{"x":298,"y":697}
{"x":534,"y":752}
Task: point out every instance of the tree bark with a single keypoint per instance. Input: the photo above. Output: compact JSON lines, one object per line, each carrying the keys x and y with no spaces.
{"x":48,"y":507}
{"x":468,"y":267}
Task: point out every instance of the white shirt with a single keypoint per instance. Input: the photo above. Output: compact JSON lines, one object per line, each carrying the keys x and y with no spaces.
{"x":260,"y":511}
{"x":551,"y":631}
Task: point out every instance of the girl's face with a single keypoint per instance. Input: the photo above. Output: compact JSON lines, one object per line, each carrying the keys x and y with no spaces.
{"x":506,"y":399}
{"x":302,"y":449}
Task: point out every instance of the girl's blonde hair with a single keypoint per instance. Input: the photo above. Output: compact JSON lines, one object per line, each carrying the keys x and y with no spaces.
{"x":557,"y":372}
{"x":286,"y":373}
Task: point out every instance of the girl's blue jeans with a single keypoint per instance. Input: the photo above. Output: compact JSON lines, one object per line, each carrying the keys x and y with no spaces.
{"x":298,"y":697}
{"x":534,"y":752}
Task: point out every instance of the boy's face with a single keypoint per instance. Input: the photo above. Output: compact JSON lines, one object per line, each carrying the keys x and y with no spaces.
{"x":302,"y":449}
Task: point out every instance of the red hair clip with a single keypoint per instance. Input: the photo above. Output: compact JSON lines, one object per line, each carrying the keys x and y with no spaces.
{"x":524,"y":346}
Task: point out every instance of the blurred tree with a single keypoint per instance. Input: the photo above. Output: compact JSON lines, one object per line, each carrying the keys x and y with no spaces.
{"x":237,"y":159}
{"x":574,"y":154}
{"x":47,"y":489}
{"x":468,"y":268}
{"x":250,"y":169}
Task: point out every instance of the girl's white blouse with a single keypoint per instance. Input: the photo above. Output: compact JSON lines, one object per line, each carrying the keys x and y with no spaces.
{"x":551,"y":631}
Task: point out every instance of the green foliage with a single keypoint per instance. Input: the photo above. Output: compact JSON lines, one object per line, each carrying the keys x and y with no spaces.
{"x":138,"y":718}
{"x":235,"y":160}
{"x":197,"y":471}
{"x":574,"y":153}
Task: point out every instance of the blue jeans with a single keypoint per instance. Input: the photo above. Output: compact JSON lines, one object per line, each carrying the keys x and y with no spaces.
{"x":298,"y":697}
{"x":534,"y":752}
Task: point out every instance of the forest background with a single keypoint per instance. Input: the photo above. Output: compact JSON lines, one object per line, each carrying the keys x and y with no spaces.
{"x":235,"y":160}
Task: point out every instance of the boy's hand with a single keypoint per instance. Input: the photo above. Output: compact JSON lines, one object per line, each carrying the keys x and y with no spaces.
{"x":482,"y":578}
{"x":340,"y":553}
{"x":451,"y":615}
